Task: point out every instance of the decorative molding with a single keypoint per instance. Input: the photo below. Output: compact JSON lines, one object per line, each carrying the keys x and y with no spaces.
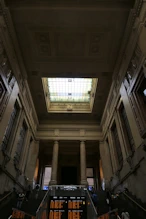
{"x":133,"y":67}
{"x":137,"y":104}
{"x":69,"y":132}
{"x":4,"y":96}
{"x":7,"y":79}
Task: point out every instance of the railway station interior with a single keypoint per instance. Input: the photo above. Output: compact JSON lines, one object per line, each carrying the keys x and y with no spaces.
{"x":73,"y":107}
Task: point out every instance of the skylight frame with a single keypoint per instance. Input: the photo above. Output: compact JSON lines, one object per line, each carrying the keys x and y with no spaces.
{"x":69,"y":107}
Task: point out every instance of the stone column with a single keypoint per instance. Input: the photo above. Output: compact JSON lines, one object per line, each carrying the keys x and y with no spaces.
{"x":54,"y":164}
{"x":31,"y":161}
{"x":83,"y":163}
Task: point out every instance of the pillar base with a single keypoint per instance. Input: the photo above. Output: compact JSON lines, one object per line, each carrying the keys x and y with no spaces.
{"x":53,"y":182}
{"x":84,"y":182}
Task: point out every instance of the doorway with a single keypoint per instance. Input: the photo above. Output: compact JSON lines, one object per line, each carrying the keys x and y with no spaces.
{"x":69,"y":175}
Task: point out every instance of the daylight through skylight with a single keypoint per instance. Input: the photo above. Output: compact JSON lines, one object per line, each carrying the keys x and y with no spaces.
{"x":70,"y":89}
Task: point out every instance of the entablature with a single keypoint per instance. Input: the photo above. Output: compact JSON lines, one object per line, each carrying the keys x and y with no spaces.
{"x":69,"y":132}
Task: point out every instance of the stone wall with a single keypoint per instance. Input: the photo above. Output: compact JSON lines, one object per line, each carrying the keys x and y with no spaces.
{"x":125,"y":90}
{"x":14,"y":91}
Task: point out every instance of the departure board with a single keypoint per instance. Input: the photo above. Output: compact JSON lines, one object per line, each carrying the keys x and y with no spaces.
{"x":67,"y":207}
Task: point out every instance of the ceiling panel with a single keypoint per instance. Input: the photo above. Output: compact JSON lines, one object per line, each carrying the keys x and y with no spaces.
{"x":60,"y":40}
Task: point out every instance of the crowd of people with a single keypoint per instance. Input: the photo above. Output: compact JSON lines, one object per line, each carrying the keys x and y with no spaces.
{"x":24,"y":196}
{"x":109,"y":199}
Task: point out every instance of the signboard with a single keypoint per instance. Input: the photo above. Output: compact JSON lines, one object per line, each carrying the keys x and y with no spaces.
{"x":21,"y":215}
{"x":67,"y":207}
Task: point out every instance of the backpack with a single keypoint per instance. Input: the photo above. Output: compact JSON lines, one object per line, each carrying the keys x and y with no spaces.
{"x":94,"y":197}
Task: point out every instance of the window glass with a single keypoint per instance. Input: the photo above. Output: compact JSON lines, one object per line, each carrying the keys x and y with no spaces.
{"x":47,"y":177}
{"x":69,"y":89}
{"x":90,"y":181}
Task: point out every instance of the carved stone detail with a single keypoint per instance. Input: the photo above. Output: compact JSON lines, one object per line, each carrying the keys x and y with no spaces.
{"x":137,"y":106}
{"x":43,"y":43}
{"x":95,"y":45}
{"x":7,"y":79}
{"x":3,"y":96}
{"x":132,"y":68}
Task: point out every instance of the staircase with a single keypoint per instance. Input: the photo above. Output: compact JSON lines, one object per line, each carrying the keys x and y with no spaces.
{"x":123,"y":201}
{"x":30,"y":207}
{"x":67,"y":202}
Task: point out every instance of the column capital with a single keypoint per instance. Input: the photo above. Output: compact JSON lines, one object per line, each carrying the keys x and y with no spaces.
{"x":82,"y":141}
{"x":56,"y":142}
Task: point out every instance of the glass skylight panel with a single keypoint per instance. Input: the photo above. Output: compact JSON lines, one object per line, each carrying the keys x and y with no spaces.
{"x":69,"y":89}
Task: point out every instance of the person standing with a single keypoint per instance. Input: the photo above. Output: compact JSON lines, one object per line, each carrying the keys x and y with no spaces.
{"x":108,"y":200}
{"x":37,"y":188}
{"x":125,"y":215}
{"x":28,"y":192}
{"x":94,"y":199}
{"x":20,"y":200}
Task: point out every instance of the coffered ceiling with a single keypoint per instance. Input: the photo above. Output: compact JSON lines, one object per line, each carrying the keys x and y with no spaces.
{"x":69,"y":39}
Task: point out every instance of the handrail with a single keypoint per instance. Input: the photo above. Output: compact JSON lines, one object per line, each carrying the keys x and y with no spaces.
{"x":6,"y":196}
{"x":92,"y":203}
{"x":134,"y":201}
{"x":42,"y":201}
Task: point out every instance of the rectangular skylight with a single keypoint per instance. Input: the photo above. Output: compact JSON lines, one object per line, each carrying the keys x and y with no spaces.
{"x":70,"y":90}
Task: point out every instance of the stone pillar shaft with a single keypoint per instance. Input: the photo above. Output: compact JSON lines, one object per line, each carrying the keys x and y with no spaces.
{"x":54,"y":164}
{"x":83,"y":163}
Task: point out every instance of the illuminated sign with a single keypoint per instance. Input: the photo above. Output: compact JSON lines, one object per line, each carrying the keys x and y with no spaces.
{"x":67,"y":207}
